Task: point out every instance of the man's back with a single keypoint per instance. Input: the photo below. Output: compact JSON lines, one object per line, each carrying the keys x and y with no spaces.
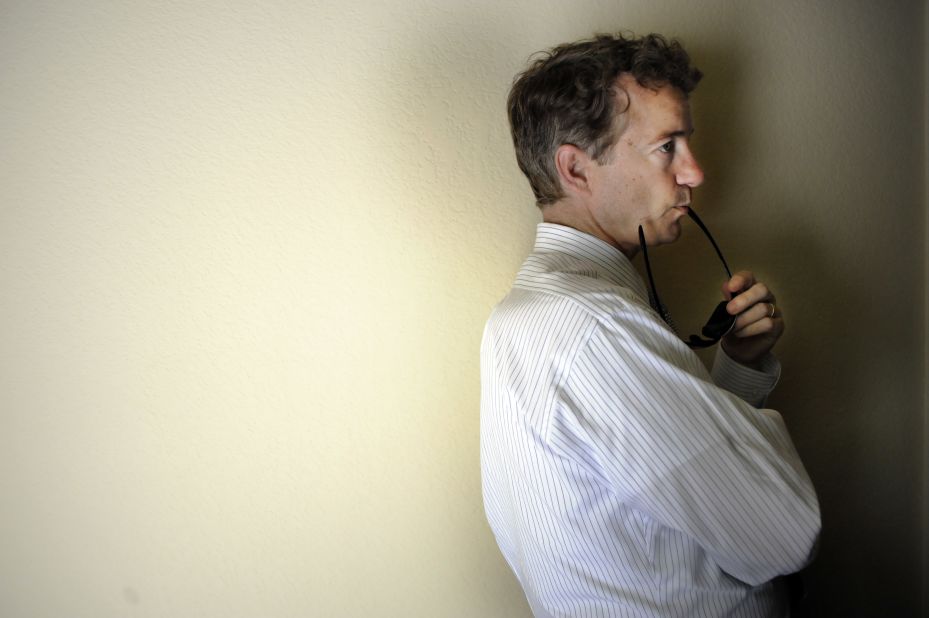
{"x":618,"y":478}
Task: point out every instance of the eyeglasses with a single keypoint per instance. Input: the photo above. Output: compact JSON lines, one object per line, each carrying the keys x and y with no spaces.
{"x":720,"y":321}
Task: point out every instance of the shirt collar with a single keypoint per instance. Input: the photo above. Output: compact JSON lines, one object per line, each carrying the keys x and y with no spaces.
{"x":610,"y":263}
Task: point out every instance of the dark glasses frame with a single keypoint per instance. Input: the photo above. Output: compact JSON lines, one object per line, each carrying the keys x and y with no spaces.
{"x":720,"y":321}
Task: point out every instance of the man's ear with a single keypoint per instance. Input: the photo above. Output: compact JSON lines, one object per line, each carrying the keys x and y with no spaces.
{"x":573,"y":165}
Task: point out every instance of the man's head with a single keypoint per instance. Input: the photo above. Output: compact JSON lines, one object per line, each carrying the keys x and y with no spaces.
{"x":567,"y":96}
{"x":570,"y":108}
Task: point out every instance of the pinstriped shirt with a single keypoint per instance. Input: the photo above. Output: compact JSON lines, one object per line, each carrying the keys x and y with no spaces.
{"x":620,"y":477}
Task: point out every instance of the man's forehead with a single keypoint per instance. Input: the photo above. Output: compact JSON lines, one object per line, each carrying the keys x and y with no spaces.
{"x":652,"y":112}
{"x":629,"y":83}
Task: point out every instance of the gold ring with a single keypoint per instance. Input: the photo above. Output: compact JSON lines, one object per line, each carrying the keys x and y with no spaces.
{"x":773,"y":310}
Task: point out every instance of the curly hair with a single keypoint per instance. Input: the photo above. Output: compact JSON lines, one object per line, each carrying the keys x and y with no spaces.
{"x":566,"y":96}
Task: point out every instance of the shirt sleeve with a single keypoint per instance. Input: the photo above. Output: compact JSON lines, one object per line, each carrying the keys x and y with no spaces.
{"x":694,"y":456}
{"x":751,"y":385}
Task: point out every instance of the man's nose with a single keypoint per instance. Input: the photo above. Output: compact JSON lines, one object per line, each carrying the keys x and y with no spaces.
{"x":689,"y":173}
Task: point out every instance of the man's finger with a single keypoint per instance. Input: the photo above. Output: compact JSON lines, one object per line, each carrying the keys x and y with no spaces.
{"x":755,"y":313}
{"x":758,"y":293}
{"x":763,"y":326}
{"x":740,"y":281}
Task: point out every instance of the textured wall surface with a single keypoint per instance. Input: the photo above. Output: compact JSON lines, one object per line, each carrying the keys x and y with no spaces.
{"x":247,"y":249}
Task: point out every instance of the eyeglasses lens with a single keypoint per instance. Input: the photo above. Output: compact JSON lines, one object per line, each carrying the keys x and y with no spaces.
{"x":719,"y":323}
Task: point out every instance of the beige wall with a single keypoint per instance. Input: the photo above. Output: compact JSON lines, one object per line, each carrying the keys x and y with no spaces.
{"x":246,"y":252}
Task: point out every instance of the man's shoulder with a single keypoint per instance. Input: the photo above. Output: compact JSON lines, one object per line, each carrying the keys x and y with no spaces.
{"x":560,"y":281}
{"x":561,"y":306}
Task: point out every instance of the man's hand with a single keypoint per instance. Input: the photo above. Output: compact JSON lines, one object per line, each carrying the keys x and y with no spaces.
{"x":759,"y":323}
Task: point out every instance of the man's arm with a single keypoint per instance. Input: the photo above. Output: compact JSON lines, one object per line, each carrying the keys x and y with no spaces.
{"x":753,"y":385}
{"x":689,"y":454}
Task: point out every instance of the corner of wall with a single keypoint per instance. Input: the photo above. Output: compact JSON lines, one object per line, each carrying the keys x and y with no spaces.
{"x":925,"y":107}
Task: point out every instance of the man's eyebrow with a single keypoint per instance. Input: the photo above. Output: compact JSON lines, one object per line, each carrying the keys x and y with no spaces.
{"x":677,"y":133}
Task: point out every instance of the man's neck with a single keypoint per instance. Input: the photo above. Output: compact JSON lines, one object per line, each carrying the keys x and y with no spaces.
{"x":579,"y":216}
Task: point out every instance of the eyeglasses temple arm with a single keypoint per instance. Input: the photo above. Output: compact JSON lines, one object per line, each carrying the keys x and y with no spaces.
{"x":648,"y":269}
{"x":693,"y":215}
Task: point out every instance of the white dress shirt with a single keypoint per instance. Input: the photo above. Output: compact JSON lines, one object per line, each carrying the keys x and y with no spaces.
{"x":620,"y":478}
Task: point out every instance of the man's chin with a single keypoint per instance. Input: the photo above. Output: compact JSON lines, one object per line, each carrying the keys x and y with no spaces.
{"x":662,"y":233}
{"x":671,"y":233}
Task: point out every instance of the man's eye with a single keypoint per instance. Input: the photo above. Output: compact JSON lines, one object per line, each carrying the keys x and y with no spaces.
{"x":666,"y":148}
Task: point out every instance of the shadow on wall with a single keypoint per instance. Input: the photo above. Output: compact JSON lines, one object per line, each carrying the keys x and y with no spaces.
{"x":828,"y":395}
{"x":758,"y":222}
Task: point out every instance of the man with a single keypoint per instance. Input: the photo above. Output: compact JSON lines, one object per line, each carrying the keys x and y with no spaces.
{"x":620,"y":477}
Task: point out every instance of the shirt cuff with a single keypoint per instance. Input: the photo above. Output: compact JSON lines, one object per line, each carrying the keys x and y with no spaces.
{"x":751,"y":385}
